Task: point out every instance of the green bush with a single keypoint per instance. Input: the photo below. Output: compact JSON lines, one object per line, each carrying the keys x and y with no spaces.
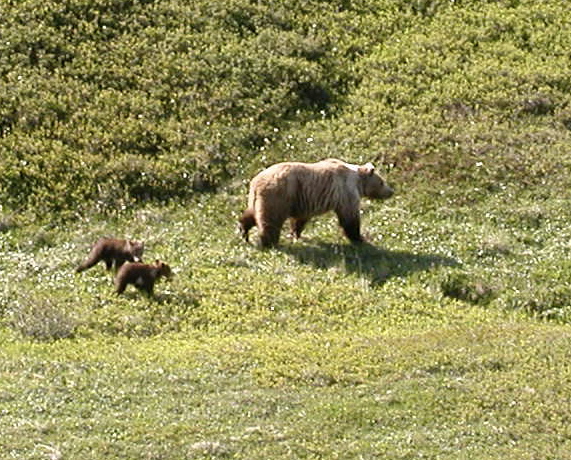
{"x":155,"y":84}
{"x":163,"y":99}
{"x":461,"y":286}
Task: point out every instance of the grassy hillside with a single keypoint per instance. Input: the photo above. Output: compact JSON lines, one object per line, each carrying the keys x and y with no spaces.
{"x":106,"y":103}
{"x":447,"y":336}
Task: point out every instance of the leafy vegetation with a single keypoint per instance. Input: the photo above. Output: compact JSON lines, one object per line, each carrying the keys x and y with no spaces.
{"x":446,"y":336}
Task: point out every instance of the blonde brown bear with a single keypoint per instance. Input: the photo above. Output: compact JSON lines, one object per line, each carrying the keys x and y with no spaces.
{"x":300,"y":191}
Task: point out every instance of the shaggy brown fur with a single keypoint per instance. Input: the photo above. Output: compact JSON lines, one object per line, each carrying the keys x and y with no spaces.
{"x":300,"y":191}
{"x":142,"y":276}
{"x":113,"y":251}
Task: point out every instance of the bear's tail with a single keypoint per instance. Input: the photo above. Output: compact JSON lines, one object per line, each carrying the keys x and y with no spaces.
{"x":247,"y":221}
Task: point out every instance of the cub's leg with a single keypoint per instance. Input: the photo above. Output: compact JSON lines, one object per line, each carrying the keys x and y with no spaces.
{"x":297,"y":224}
{"x":119,"y":261}
{"x":120,"y":285}
{"x":109,"y":263}
{"x":247,"y":221}
{"x":149,"y":289}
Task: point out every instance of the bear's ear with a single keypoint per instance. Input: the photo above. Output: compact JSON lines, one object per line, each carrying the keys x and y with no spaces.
{"x":367,"y":169}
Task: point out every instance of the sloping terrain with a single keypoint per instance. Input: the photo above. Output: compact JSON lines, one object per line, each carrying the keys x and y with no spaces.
{"x":446,"y":336}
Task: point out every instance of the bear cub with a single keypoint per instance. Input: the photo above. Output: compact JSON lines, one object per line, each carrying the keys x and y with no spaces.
{"x":113,"y":251}
{"x":142,"y":276}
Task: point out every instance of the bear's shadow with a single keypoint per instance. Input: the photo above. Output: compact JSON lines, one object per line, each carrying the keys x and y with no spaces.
{"x":366,"y":260}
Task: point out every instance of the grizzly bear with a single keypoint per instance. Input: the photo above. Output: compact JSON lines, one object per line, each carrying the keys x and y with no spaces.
{"x":299,"y":191}
{"x":113,"y":251}
{"x":143,"y":276}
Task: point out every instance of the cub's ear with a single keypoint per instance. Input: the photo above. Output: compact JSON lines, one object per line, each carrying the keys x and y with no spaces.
{"x":367,"y":169}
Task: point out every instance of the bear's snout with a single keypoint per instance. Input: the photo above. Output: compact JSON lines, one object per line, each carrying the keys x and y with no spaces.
{"x":387,"y":192}
{"x":381,"y":193}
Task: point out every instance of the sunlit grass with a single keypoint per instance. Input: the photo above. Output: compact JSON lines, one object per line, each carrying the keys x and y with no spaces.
{"x":317,"y":348}
{"x":446,"y":336}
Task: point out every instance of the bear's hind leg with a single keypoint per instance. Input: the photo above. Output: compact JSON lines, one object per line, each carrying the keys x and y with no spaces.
{"x":92,"y":259}
{"x":352,"y":227}
{"x":109,"y":261}
{"x":270,"y":232}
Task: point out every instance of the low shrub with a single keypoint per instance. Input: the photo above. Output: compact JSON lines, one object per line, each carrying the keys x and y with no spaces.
{"x":43,"y":318}
{"x":464,"y":287}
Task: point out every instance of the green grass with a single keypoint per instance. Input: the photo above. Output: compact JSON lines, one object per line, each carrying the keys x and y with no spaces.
{"x":446,"y":336}
{"x":463,"y":391}
{"x":479,"y":392}
{"x":317,"y":349}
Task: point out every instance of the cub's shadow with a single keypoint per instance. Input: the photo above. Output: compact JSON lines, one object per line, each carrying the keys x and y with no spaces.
{"x":366,"y":260}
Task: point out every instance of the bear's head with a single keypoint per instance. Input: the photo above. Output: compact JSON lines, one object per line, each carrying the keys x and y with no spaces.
{"x":163,"y":269}
{"x":136,"y":248}
{"x":372,"y":184}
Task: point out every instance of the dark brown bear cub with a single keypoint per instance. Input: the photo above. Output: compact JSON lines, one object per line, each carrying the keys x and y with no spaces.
{"x":113,"y":251}
{"x":142,"y":276}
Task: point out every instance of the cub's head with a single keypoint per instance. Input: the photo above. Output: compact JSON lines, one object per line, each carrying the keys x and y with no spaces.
{"x":164,"y":269}
{"x":136,"y":248}
{"x":373,"y":185}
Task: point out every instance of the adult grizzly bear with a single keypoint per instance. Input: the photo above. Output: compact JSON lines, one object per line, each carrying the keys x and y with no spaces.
{"x":299,"y":191}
